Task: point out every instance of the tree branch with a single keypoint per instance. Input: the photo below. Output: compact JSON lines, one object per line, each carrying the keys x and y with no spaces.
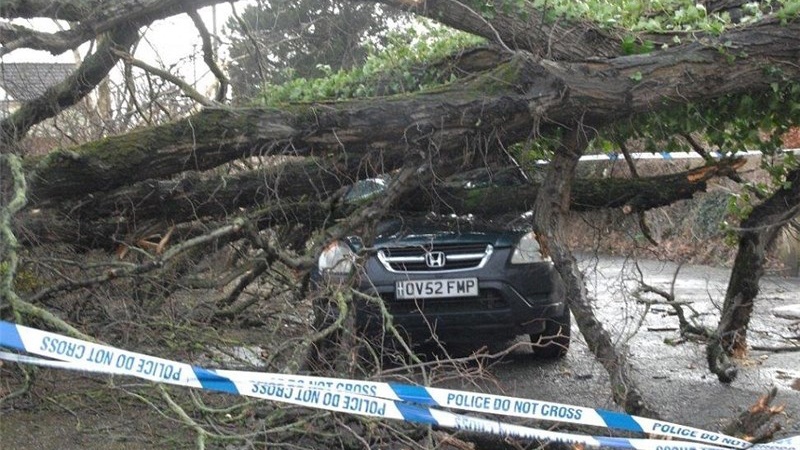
{"x":93,"y":17}
{"x":549,"y":214}
{"x":70,"y":91}
{"x":14,"y":36}
{"x":552,"y":39}
{"x":177,"y":81}
{"x":127,"y":270}
{"x":296,"y":190}
{"x":758,"y":231}
{"x":209,"y":56}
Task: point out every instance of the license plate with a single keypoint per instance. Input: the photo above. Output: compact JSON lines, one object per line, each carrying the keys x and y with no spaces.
{"x":457,"y":287}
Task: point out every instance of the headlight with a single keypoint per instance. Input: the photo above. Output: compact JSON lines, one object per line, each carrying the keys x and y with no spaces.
{"x":337,"y":258}
{"x":528,"y":251}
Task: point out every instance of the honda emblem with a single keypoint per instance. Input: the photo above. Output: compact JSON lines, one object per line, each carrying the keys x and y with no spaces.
{"x":435,"y":260}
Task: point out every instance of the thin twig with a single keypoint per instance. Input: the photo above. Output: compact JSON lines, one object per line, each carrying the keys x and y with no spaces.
{"x":209,"y":55}
{"x":180,"y":83}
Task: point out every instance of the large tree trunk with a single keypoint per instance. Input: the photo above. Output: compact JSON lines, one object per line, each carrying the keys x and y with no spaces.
{"x":757,"y":233}
{"x":550,"y":215}
{"x":299,"y":191}
{"x":630,"y":194}
{"x":518,"y":99}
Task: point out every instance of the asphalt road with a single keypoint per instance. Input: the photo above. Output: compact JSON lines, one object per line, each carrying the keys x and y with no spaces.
{"x":672,"y":376}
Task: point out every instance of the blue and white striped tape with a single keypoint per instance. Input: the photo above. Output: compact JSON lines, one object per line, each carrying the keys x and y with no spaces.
{"x":397,"y":401}
{"x":673,"y":155}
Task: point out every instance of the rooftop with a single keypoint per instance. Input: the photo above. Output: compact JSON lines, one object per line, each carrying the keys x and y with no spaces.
{"x":27,"y":81}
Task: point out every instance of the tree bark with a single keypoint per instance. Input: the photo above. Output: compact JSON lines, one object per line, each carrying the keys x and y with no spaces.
{"x":757,"y":233}
{"x":550,"y":213}
{"x":630,"y":194}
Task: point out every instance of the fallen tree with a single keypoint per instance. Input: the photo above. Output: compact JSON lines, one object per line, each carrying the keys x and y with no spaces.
{"x":519,"y":98}
{"x":300,"y":190}
{"x":562,"y":80}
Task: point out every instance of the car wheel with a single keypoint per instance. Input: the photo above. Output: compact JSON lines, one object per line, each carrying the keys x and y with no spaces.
{"x":553,"y":342}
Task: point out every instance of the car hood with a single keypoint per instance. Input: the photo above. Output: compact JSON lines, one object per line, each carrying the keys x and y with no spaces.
{"x":406,"y":232}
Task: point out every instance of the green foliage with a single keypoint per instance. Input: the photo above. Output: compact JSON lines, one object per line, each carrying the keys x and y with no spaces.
{"x":790,"y":9}
{"x":729,"y":124}
{"x":638,"y":15}
{"x":528,"y":154}
{"x":660,"y":15}
{"x":739,"y":207}
{"x":402,"y":65}
{"x":631,"y":46}
{"x":653,"y":16}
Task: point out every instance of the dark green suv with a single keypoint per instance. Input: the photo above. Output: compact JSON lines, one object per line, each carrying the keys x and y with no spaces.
{"x":455,"y":280}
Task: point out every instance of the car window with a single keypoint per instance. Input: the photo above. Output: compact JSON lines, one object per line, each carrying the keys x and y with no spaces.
{"x":365,"y":189}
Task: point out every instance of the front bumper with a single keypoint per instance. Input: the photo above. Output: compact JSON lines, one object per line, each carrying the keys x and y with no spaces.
{"x":512,"y":300}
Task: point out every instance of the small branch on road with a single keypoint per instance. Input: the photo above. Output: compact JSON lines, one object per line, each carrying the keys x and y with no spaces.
{"x":124,"y":270}
{"x":685,"y":325}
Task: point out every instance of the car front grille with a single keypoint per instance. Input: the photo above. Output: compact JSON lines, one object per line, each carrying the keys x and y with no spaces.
{"x":435,"y":257}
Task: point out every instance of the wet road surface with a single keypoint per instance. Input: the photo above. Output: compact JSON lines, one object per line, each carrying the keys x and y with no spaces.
{"x":672,"y":376}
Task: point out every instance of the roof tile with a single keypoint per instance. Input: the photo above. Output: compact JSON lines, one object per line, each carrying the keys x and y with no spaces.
{"x":27,"y":81}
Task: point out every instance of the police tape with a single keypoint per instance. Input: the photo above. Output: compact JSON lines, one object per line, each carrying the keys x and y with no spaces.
{"x":377,"y":399}
{"x":287,"y":386}
{"x":321,"y":398}
{"x":677,"y":155}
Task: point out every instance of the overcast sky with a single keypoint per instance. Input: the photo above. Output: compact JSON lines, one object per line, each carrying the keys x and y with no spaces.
{"x":170,"y":43}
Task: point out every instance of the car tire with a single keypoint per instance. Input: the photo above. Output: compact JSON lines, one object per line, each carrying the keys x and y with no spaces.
{"x":553,"y":342}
